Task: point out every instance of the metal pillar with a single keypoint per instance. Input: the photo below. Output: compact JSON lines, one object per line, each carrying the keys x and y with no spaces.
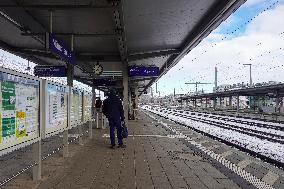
{"x":230,"y":102}
{"x":91,"y":122}
{"x":125,"y":93}
{"x":277,"y":101}
{"x":215,"y":82}
{"x":70,"y":76}
{"x":250,"y":76}
{"x":238,"y":104}
{"x":37,"y":160}
{"x":135,"y":108}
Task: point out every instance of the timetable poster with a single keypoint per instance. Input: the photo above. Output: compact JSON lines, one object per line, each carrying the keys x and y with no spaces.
{"x":19,"y":109}
{"x":76,"y":107}
{"x":88,"y":106}
{"x":57,"y":108}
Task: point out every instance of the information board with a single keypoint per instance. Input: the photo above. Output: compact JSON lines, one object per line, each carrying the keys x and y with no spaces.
{"x":19,"y":109}
{"x":143,"y":71}
{"x":76,"y":107}
{"x":61,"y":49}
{"x":87,"y":106}
{"x":50,"y":71}
{"x":56,"y":109}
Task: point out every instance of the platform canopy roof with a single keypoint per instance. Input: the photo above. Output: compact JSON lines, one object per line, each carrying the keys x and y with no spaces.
{"x":115,"y":33}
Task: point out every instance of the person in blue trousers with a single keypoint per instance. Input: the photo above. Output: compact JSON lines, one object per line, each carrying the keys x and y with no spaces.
{"x":113,"y":110}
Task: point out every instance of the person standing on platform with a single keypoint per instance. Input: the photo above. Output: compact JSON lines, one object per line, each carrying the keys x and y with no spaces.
{"x":113,"y":110}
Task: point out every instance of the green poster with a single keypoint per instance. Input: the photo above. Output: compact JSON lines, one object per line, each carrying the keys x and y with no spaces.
{"x":8,"y":127}
{"x":0,"y":128}
{"x":8,"y":96}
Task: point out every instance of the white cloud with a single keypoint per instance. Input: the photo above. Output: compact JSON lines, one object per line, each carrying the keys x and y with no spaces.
{"x":261,"y":45}
{"x":270,"y":22}
{"x":254,"y":2}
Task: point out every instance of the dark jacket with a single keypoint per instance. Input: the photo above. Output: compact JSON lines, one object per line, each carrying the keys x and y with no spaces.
{"x":112,"y":108}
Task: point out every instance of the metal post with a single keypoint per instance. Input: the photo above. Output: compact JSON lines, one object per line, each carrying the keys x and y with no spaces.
{"x":250,"y":77}
{"x":214,"y":103}
{"x":50,"y":21}
{"x":80,"y":130}
{"x":70,"y":76}
{"x":216,"y":84}
{"x":277,"y":101}
{"x":206,"y":102}
{"x":37,"y":159}
{"x":125,"y":93}
{"x":136,"y":102}
{"x":91,"y":122}
{"x":238,"y":104}
{"x":81,"y":142}
{"x":230,"y":102}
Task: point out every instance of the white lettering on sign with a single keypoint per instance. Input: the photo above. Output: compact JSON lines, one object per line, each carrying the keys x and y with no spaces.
{"x":57,"y":45}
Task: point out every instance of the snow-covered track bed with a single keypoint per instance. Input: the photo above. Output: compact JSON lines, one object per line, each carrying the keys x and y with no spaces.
{"x":265,"y":141}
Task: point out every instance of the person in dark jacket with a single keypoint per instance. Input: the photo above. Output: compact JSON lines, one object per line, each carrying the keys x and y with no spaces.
{"x":113,"y":110}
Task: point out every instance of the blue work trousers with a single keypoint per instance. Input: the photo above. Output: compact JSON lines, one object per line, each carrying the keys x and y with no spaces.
{"x":115,"y":124}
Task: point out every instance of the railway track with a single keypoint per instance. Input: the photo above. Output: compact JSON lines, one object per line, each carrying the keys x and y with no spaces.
{"x":256,"y":133}
{"x":269,"y":136}
{"x":273,"y":133}
{"x":263,"y":124}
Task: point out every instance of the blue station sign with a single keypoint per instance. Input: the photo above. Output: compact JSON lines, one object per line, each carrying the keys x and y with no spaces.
{"x":143,"y":71}
{"x":61,"y":49}
{"x":50,"y":71}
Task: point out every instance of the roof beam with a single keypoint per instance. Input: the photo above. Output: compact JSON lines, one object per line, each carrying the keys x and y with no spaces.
{"x":54,"y":7}
{"x":80,"y":57}
{"x":74,"y":34}
{"x":139,"y":56}
{"x":98,"y":57}
{"x":120,"y":29}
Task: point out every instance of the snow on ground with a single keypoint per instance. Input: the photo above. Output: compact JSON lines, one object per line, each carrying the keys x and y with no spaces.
{"x":267,"y":148}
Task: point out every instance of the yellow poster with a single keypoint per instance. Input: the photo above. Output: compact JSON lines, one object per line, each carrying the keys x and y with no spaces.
{"x":21,"y":130}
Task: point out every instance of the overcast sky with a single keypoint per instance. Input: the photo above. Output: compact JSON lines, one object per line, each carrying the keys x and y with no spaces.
{"x":236,"y":41}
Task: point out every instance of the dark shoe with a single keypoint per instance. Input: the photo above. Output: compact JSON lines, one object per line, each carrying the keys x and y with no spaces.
{"x":122,"y":146}
{"x":112,"y":147}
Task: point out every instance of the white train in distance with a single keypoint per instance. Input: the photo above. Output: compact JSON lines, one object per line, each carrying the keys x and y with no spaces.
{"x":225,"y":87}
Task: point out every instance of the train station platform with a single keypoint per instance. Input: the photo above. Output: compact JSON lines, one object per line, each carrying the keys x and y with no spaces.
{"x":153,"y":158}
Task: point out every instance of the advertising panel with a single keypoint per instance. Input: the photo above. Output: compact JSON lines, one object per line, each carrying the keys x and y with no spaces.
{"x":87,"y":106}
{"x":56,"y":109}
{"x":19,"y":109}
{"x":76,"y":107}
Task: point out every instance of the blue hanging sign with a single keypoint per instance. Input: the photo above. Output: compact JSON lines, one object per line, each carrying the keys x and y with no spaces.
{"x":61,"y":49}
{"x":50,"y":71}
{"x":143,"y":71}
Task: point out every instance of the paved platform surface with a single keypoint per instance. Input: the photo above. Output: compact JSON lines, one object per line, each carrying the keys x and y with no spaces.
{"x":153,"y":159}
